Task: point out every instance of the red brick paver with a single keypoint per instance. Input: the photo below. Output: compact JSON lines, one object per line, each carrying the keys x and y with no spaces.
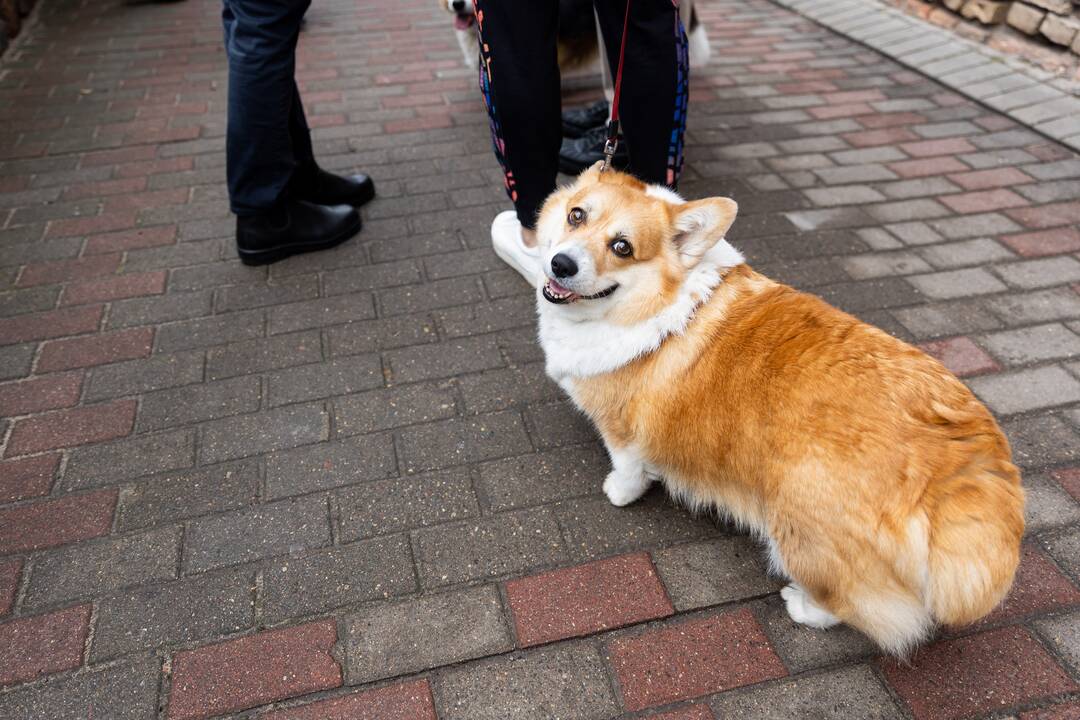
{"x":978,"y":674}
{"x":64,"y":270}
{"x":238,"y":674}
{"x":1069,"y":478}
{"x":10,"y":571}
{"x":1045,"y":242}
{"x":48,"y":523}
{"x":42,"y":644}
{"x":408,"y":701}
{"x":587,"y":598}
{"x":96,"y":349}
{"x":92,"y":423}
{"x":692,"y":659}
{"x":42,"y":393}
{"x":27,"y":477}
{"x":51,"y":324}
{"x":962,"y":356}
{"x":114,"y":288}
{"x":1039,"y":586}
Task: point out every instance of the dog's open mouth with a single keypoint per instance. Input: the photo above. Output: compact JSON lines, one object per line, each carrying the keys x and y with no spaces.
{"x":556,"y":293}
{"x":464,"y":20}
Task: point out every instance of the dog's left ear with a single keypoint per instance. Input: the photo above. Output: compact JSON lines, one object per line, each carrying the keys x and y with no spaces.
{"x":701,"y":224}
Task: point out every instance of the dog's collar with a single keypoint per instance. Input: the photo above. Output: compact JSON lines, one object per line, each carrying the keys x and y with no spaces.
{"x":584,"y":348}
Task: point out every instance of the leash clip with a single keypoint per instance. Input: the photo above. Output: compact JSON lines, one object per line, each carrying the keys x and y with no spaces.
{"x":611,"y":144}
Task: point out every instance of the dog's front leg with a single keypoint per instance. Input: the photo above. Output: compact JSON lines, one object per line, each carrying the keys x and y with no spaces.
{"x":627,"y":480}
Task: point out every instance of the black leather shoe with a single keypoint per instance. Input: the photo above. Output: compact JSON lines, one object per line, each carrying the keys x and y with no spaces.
{"x":325,"y":188}
{"x":576,"y":155}
{"x":295,"y":227}
{"x":579,"y":121}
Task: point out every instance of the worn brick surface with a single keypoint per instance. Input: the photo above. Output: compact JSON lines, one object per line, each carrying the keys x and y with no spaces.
{"x":91,"y":569}
{"x":78,"y":426}
{"x":943,"y":682}
{"x":962,"y":356}
{"x":96,"y":465}
{"x":1027,"y":389}
{"x":564,"y":680}
{"x":709,"y":573}
{"x":399,"y":504}
{"x":186,"y":610}
{"x":27,"y":477}
{"x":340,"y":576}
{"x":277,"y":528}
{"x":242,"y":673}
{"x":42,"y":644}
{"x":10,"y":574}
{"x":418,"y":634}
{"x":125,"y":692}
{"x":255,"y":433}
{"x":95,"y":350}
{"x":587,"y":598}
{"x":1063,"y":634}
{"x":387,"y":408}
{"x":490,"y":547}
{"x":407,"y":701}
{"x":692,"y":658}
{"x":1039,"y":586}
{"x":48,"y":523}
{"x":836,"y":695}
{"x":38,"y":394}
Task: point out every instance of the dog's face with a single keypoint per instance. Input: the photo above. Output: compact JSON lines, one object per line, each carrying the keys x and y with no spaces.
{"x":463,"y":10}
{"x":613,"y":247}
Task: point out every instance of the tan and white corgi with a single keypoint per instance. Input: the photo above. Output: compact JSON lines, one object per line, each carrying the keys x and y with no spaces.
{"x":882,"y":487}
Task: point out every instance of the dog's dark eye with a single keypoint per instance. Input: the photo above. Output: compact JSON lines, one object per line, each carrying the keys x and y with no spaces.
{"x":622,"y":247}
{"x":576,"y":216}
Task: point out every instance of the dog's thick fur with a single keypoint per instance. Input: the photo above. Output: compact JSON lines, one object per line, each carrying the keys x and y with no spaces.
{"x":882,"y":487}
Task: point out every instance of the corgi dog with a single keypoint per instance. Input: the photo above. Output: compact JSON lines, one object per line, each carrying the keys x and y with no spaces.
{"x":882,"y":488}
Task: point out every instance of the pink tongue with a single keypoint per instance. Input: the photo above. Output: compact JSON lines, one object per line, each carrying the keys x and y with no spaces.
{"x":463,"y":22}
{"x":557,"y":287}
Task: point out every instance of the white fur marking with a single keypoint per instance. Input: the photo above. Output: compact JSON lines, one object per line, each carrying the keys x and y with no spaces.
{"x":663,"y":192}
{"x":628,"y":479}
{"x":802,"y":608}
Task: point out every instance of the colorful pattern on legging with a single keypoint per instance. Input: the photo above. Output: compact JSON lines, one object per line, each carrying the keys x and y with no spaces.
{"x":497,"y":142}
{"x":682,"y":100}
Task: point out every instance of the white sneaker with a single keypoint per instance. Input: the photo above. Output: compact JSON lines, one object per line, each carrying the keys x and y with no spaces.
{"x":508,"y":244}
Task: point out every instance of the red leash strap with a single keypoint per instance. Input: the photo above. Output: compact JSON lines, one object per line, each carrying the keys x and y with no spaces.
{"x":612,"y":142}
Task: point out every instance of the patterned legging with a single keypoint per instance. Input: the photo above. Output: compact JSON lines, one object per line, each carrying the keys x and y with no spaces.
{"x":519,"y":79}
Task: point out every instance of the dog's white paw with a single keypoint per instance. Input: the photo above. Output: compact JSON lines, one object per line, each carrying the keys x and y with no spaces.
{"x":803,"y":610}
{"x":623,"y":489}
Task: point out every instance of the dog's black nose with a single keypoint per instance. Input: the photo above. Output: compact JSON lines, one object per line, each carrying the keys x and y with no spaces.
{"x":563,"y":265}
{"x":458,"y":5}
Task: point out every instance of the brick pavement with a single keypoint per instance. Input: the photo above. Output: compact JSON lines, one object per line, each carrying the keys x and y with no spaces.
{"x":341,"y":487}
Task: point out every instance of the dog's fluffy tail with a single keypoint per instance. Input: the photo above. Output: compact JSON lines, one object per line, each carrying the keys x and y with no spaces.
{"x":962,"y":544}
{"x":976,"y":524}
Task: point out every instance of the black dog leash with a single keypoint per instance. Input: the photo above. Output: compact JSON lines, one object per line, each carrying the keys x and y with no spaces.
{"x":612,"y":142}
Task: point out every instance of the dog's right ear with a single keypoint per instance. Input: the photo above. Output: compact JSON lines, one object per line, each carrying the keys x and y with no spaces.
{"x":701,"y":224}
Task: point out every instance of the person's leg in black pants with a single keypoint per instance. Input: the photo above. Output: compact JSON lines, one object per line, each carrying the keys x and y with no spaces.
{"x":655,"y":85}
{"x":283,"y":202}
{"x":519,"y":78}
